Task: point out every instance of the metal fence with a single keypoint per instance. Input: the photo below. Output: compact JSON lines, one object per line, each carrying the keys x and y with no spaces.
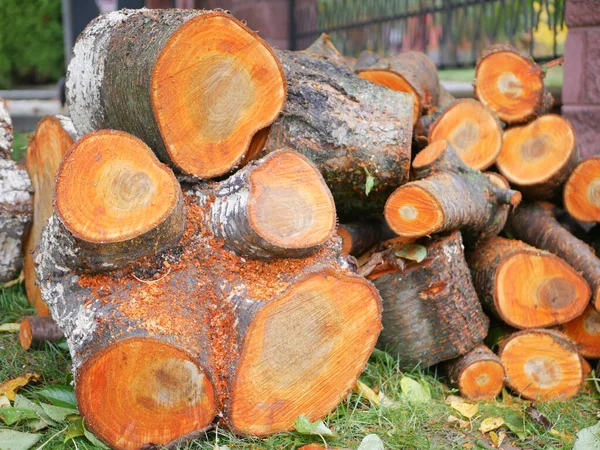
{"x":451,"y":32}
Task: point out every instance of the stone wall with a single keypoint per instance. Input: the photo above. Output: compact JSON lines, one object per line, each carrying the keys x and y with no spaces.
{"x":581,"y":85}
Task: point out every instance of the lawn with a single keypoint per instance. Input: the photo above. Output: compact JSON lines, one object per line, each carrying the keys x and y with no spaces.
{"x":417,"y":419}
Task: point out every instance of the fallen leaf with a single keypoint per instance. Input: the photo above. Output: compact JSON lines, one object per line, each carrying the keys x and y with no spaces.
{"x":4,"y":401}
{"x":369,"y":183}
{"x":515,"y":423}
{"x":10,"y":327}
{"x":60,"y":395}
{"x":305,"y":426}
{"x":494,"y":438}
{"x":98,"y":443}
{"x":371,"y":442}
{"x":75,"y":429}
{"x":414,"y":391}
{"x":15,"y":440}
{"x":35,"y":424}
{"x":588,"y":438}
{"x":560,"y":434}
{"x":461,"y":423}
{"x":501,"y":437}
{"x":490,"y":423}
{"x":412,"y":252}
{"x":58,"y":413}
{"x":11,"y":415}
{"x":10,"y":387}
{"x":365,"y":391}
{"x":459,"y":404}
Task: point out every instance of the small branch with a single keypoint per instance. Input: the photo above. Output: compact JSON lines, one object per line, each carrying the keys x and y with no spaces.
{"x":152,"y":281}
{"x":555,"y":62}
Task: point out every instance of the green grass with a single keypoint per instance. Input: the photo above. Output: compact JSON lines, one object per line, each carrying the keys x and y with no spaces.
{"x":20,"y":146}
{"x":403,"y":426}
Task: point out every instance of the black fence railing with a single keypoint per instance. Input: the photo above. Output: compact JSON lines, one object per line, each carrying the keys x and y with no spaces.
{"x":451,"y":32}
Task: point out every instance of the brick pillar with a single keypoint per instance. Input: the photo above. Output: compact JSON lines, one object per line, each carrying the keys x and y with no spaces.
{"x":581,"y":85}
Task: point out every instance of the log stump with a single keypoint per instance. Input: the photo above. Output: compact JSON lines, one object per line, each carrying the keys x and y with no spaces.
{"x":431,"y":312}
{"x":194,"y":85}
{"x":479,"y":374}
{"x":526,"y":287}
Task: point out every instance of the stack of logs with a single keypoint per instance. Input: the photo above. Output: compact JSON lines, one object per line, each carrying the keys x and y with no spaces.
{"x":184,"y":233}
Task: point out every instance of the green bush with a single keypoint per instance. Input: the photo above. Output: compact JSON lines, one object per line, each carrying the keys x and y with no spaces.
{"x":31,"y":41}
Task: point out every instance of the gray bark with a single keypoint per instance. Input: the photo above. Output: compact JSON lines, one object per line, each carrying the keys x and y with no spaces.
{"x":6,"y":131}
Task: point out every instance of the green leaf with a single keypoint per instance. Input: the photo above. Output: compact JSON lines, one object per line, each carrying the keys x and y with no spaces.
{"x":95,"y":441}
{"x":60,"y":395}
{"x":371,"y":442}
{"x":514,"y":423}
{"x":35,"y":424}
{"x":58,"y":413}
{"x":414,"y":391}
{"x":62,"y":344}
{"x":75,"y":429}
{"x":412,"y":252}
{"x":14,"y":440}
{"x":588,"y":438}
{"x":10,"y":327}
{"x":10,"y":414}
{"x":304,"y":426}
{"x":370,"y":181}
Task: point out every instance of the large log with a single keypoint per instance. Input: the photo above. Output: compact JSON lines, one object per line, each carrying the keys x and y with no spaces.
{"x":537,"y":158}
{"x":15,"y":203}
{"x":536,"y":224}
{"x":52,"y":138}
{"x":511,"y":84}
{"x":194,"y":85}
{"x":196,"y":332}
{"x":526,"y":287}
{"x":430,"y":312}
{"x":449,"y":195}
{"x":348,"y":127}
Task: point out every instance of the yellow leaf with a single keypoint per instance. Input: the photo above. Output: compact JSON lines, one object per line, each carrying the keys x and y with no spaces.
{"x":4,"y":401}
{"x":461,"y":423}
{"x":494,"y":438}
{"x":491,"y":423}
{"x":560,"y":434}
{"x":10,"y":327}
{"x":465,"y":408}
{"x":9,"y":387}
{"x":365,"y":391}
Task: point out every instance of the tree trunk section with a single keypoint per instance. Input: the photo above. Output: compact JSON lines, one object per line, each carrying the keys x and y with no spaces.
{"x":431,"y":312}
{"x":156,"y":74}
{"x":349,"y":128}
{"x":479,"y":374}
{"x":526,"y":287}
{"x":542,"y":365}
{"x":536,"y":224}
{"x":581,"y":192}
{"x":585,"y":332}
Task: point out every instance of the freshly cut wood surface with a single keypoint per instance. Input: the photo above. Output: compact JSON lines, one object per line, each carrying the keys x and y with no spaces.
{"x":537,"y":158}
{"x":511,"y":85}
{"x":479,"y":374}
{"x":527,"y":287}
{"x":542,"y":365}
{"x":51,"y":140}
{"x":117,"y":200}
{"x":585,"y":332}
{"x":430,"y":310}
{"x":472,"y":130}
{"x":536,"y":224}
{"x":35,"y":331}
{"x":200,"y":87}
{"x":448,"y":195}
{"x":581,"y":193}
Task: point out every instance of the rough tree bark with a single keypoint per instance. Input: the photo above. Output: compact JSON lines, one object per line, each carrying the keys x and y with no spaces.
{"x":479,"y":374}
{"x":526,"y":287}
{"x":15,"y":203}
{"x":449,"y":195}
{"x":134,"y":70}
{"x":536,"y":224}
{"x":511,"y":85}
{"x":52,"y":138}
{"x":350,"y":128}
{"x":431,"y":312}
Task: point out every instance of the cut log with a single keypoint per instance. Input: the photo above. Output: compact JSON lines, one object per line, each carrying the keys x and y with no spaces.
{"x":254,"y":342}
{"x":324,"y":48}
{"x":472,"y":130}
{"x":581,"y":193}
{"x":35,"y":331}
{"x":53,"y":136}
{"x":542,"y":365}
{"x":6,"y":131}
{"x":511,"y":85}
{"x":449,"y":195}
{"x":585,"y":332}
{"x":117,"y":201}
{"x":15,"y":203}
{"x":526,"y":287}
{"x":537,"y":158}
{"x":348,"y":127}
{"x":479,"y":374}
{"x":277,"y":207}
{"x":358,"y":237}
{"x":431,"y":312}
{"x":194,"y":85}
{"x":587,"y":369}
{"x":411,"y":72}
{"x":536,"y":225}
